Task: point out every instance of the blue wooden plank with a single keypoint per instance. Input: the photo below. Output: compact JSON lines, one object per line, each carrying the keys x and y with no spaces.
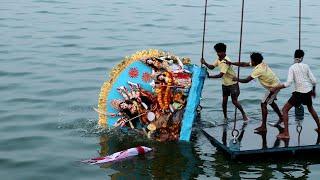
{"x":198,"y":77}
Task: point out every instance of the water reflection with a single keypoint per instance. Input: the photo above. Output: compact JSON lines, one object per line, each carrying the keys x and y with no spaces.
{"x":269,"y":169}
{"x":277,"y":142}
{"x":318,"y":139}
{"x":249,"y":140}
{"x":299,"y":128}
{"x":235,"y":142}
{"x":287,"y":168}
{"x":186,"y":161}
{"x":168,"y":160}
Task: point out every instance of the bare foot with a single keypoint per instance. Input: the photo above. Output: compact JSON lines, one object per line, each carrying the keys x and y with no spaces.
{"x":260,"y":129}
{"x":283,"y":136}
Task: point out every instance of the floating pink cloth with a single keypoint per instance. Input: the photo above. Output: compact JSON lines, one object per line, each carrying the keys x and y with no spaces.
{"x":119,"y":155}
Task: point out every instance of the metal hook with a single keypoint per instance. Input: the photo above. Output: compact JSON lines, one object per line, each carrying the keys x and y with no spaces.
{"x":235,"y":134}
{"x":299,"y":127}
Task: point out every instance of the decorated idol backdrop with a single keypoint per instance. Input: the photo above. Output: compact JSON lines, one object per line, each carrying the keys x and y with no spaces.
{"x":148,"y":93}
{"x":136,"y":74}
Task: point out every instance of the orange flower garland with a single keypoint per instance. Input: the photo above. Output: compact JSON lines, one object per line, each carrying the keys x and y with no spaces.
{"x":167,"y":95}
{"x":163,"y":91}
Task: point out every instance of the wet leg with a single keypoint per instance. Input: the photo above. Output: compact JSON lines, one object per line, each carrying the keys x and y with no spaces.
{"x":224,"y":106}
{"x":285,"y":116}
{"x":264,"y":110}
{"x":238,"y":105}
{"x":315,"y":116}
{"x":277,"y":110}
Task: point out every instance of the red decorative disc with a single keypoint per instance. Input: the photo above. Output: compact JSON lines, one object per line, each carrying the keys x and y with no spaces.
{"x":146,"y":77}
{"x":133,"y":72}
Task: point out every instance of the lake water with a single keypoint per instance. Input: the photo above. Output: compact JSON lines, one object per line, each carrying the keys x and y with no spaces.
{"x":56,"y":54}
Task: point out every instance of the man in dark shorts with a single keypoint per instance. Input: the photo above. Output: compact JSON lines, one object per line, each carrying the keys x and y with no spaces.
{"x":304,"y":90}
{"x":268,"y":79}
{"x":229,"y":87}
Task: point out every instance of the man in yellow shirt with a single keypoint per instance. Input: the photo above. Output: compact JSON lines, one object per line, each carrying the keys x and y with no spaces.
{"x":229,"y":87}
{"x":268,"y":80}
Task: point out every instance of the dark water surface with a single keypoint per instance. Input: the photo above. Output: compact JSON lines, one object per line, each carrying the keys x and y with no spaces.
{"x":55,"y":55}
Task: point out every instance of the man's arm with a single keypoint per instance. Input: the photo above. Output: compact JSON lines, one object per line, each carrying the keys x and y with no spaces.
{"x":246,"y":80}
{"x":313,"y":93}
{"x":286,"y":84}
{"x":311,"y":76}
{"x":313,"y":81}
{"x":241,"y":64}
{"x":289,"y":79}
{"x":278,"y":87}
{"x":223,"y":70}
{"x":210,"y":66}
{"x":216,"y":76}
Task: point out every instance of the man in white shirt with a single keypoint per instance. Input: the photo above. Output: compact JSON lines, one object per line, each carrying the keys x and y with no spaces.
{"x":304,"y":90}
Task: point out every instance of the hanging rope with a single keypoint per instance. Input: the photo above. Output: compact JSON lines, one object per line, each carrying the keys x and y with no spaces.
{"x":235,"y":132}
{"x":299,"y":126}
{"x":204,"y":28}
{"x":299,"y":109}
{"x":299,"y":24}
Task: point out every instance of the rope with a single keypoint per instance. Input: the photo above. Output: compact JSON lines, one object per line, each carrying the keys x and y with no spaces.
{"x":299,"y":24}
{"x":239,"y":60}
{"x":299,"y":107}
{"x":204,"y":28}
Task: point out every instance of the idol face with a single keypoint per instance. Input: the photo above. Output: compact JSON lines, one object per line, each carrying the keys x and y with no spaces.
{"x":161,"y":77}
{"x":123,"y":105}
{"x":149,"y":61}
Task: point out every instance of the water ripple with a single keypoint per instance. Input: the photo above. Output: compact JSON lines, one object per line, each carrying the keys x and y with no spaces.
{"x":28,"y":100}
{"x":276,"y":41}
{"x":172,"y":44}
{"x":101,"y":48}
{"x":71,"y":45}
{"x":93,"y":69}
{"x":25,"y":143}
{"x":69,"y":37}
{"x":14,"y":74}
{"x":50,"y":1}
{"x":59,"y":92}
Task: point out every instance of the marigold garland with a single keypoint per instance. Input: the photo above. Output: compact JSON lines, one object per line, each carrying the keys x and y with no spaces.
{"x":167,"y":94}
{"x":163,"y":92}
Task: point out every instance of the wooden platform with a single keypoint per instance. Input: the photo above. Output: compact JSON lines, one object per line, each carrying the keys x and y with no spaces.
{"x":250,"y":145}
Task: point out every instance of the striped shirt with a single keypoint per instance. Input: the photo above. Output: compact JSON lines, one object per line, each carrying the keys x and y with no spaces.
{"x":301,"y":75}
